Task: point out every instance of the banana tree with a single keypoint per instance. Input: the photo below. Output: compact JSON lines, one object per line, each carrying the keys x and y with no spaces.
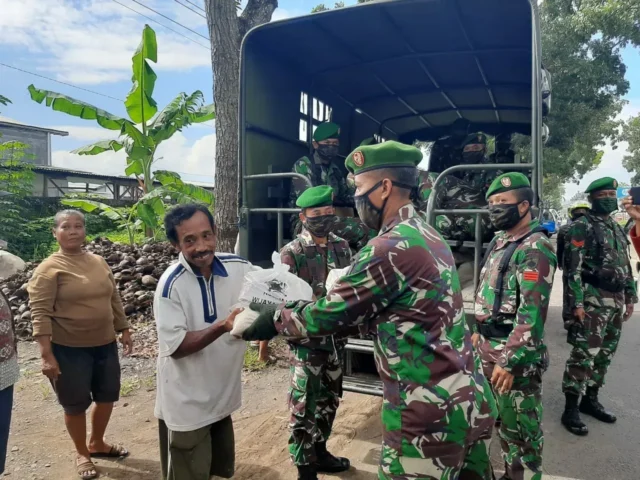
{"x":145,"y":129}
{"x":151,"y":208}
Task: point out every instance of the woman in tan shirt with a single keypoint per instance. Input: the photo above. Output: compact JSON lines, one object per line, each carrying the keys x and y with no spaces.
{"x":76,"y":312}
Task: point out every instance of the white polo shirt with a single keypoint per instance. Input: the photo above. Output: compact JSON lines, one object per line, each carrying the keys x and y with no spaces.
{"x":204,"y":387}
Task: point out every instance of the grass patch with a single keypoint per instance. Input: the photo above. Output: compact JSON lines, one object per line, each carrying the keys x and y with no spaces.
{"x":128,"y":386}
{"x":121,"y":236}
{"x":45,"y":391}
{"x":251,"y":361}
{"x":149,"y":383}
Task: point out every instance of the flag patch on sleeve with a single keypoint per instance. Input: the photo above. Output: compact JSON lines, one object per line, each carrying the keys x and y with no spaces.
{"x":578,"y":244}
{"x":531,"y":276}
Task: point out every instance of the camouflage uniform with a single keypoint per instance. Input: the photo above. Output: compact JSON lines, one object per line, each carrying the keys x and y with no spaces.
{"x":468,"y":192}
{"x":316,"y":363}
{"x":600,"y":281}
{"x":562,"y":240}
{"x":517,"y":343}
{"x":438,"y":411}
{"x":349,"y":228}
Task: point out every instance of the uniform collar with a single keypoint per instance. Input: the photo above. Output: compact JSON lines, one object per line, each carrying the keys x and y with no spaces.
{"x":505,"y":237}
{"x":306,"y":240}
{"x":404,"y":214}
{"x":218,"y":268}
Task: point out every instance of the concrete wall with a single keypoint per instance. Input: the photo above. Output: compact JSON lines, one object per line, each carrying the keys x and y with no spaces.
{"x":39,"y":148}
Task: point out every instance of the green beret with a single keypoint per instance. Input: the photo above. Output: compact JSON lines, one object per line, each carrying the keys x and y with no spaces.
{"x":604,"y":183}
{"x":321,"y":196}
{"x":326,"y":130}
{"x":507,"y":182}
{"x":476,"y":142}
{"x":389,"y":154}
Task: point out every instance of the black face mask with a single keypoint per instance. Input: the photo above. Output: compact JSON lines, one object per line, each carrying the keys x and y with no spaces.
{"x":327,"y":152}
{"x":371,"y":215}
{"x":472,"y":158}
{"x":320,"y":226}
{"x":505,"y":216}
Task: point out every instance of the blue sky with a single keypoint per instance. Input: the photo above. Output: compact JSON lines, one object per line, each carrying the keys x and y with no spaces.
{"x":89,"y":43}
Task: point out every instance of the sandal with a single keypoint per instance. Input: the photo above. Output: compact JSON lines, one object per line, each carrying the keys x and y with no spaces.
{"x":115,"y":451}
{"x":86,"y":470}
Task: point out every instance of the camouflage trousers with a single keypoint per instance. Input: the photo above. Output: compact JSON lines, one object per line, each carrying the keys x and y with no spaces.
{"x":593,"y":348}
{"x":351,"y":229}
{"x":472,"y":462}
{"x":314,"y":396}
{"x":520,"y":433}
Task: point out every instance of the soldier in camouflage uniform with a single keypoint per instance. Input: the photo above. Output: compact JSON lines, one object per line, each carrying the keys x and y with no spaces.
{"x":320,"y":169}
{"x":316,"y":363}
{"x":511,"y":309}
{"x":447,"y":151}
{"x":575,"y":211}
{"x":438,"y":411}
{"x":461,"y":190}
{"x":600,"y":285}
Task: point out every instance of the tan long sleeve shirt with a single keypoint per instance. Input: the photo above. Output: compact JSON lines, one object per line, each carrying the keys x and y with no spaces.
{"x":74,"y":299}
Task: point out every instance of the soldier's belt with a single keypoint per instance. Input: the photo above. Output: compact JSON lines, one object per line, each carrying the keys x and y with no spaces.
{"x":602,"y":282}
{"x":492,"y":330}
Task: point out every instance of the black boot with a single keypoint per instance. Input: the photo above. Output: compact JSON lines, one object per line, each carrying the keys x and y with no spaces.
{"x":327,"y":463}
{"x":307,"y":472}
{"x":571,"y":416}
{"x":591,"y":406}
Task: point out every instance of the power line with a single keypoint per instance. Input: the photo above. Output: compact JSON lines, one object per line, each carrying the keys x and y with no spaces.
{"x":169,"y":18}
{"x":58,"y":81}
{"x":189,"y":8}
{"x":196,"y":5}
{"x":163,"y":25}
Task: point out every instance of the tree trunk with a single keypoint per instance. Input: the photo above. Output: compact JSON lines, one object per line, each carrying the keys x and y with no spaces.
{"x":226,"y":30}
{"x":222,"y":20}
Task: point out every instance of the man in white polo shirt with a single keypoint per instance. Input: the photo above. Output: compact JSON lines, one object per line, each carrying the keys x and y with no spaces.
{"x":199,"y":363}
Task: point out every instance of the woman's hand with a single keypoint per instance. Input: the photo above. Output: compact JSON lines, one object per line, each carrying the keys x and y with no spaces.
{"x":50,"y":367}
{"x":127,"y":342}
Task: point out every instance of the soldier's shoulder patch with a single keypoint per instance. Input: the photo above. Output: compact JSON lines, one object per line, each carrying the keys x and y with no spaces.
{"x":358,"y":158}
{"x":531,"y":275}
{"x":577,"y":243}
{"x":505,"y":181}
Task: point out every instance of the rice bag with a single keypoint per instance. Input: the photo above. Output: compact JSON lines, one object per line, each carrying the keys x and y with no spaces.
{"x":334,"y":276}
{"x":271,"y":286}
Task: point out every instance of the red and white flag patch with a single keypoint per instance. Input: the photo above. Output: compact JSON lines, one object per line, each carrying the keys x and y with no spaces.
{"x":531,"y":276}
{"x":577,"y":244}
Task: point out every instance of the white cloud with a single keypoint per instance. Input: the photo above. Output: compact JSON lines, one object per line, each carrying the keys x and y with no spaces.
{"x":92,"y":42}
{"x":193,"y":160}
{"x":611,"y":165}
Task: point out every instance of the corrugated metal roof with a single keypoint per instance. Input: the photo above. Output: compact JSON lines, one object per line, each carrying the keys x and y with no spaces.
{"x":6,"y":122}
{"x":98,"y":176}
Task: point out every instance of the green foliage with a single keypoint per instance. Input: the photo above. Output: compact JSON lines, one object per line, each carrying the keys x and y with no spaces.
{"x":16,"y":180}
{"x":323,"y":8}
{"x":581,"y":45}
{"x":140,"y":136}
{"x":631,"y":134}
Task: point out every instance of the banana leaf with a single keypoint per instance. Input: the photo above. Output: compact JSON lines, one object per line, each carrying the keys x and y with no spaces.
{"x":76,"y":108}
{"x":140,"y":104}
{"x":91,"y":206}
{"x":99,"y":147}
{"x":172,"y":181}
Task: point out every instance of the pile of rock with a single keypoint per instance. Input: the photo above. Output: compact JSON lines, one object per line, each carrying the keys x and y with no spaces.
{"x":136,"y":270}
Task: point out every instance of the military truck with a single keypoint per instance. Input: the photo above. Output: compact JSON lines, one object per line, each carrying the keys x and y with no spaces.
{"x":402,"y":70}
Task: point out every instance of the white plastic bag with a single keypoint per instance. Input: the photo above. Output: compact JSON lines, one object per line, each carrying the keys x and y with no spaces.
{"x":334,"y":276}
{"x":269,"y":286}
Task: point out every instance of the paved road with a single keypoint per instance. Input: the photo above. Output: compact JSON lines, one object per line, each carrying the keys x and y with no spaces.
{"x":609,"y":451}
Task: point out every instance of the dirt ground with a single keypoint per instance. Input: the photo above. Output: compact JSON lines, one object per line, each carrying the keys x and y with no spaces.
{"x":39,"y":447}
